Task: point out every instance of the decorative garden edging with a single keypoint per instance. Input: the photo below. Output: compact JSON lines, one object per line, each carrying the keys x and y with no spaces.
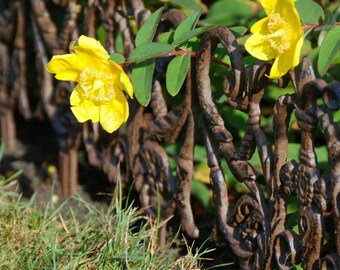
{"x":255,"y":228}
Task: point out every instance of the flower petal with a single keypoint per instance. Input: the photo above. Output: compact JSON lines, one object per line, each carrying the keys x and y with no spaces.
{"x":92,"y":109}
{"x":290,"y":59}
{"x":297,"y":52}
{"x":269,"y":5}
{"x":66,"y":67}
{"x":91,"y":45}
{"x":98,"y":95}
{"x":123,"y":80}
{"x":114,"y":69}
{"x":91,"y":52}
{"x":110,"y":120}
{"x":260,"y":27}
{"x":113,"y":114}
{"x":83,"y":109}
{"x":282,"y":64}
{"x":80,"y":113}
{"x":76,"y":98}
{"x":258,"y":46}
{"x":121,"y":105}
{"x":126,"y":84}
{"x":287,"y":10}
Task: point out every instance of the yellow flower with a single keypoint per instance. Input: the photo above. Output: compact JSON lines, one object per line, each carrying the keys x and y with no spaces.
{"x":98,"y":95}
{"x":278,"y":36}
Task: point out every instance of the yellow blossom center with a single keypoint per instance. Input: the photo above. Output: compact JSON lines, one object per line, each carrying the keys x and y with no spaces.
{"x":97,"y":86}
{"x":278,"y":37}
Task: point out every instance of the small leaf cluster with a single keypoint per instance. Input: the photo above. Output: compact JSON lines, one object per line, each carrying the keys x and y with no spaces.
{"x":179,"y":44}
{"x":322,"y":34}
{"x":147,"y":51}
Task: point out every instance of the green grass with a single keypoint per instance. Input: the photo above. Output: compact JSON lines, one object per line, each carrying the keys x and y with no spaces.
{"x":80,"y":235}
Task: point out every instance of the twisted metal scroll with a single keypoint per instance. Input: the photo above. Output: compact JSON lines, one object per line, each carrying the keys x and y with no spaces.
{"x":255,"y":228}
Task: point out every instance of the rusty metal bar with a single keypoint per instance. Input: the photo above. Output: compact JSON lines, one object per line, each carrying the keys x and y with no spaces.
{"x":254,"y":227}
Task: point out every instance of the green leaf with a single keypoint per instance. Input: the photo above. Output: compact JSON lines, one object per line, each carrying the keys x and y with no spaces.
{"x":150,"y":50}
{"x":336,"y":117}
{"x":200,"y":153}
{"x":306,"y":48}
{"x":179,"y":66}
{"x":296,"y":230}
{"x":101,"y":34}
{"x":187,"y":24}
{"x":166,"y":37}
{"x":188,"y":35}
{"x":328,"y":23}
{"x":322,"y":153}
{"x":238,"y":31}
{"x":229,"y":13}
{"x":201,"y":192}
{"x":117,"y":58}
{"x":292,"y":219}
{"x":147,"y":31}
{"x":274,"y":92}
{"x":309,"y":11}
{"x":172,"y":149}
{"x":119,"y":46}
{"x":2,"y":149}
{"x":141,"y":78}
{"x":328,"y":50}
{"x":294,"y":151}
{"x":292,"y":206}
{"x":235,"y":120}
{"x":298,"y":266}
{"x":195,"y":5}
{"x":192,"y":45}
{"x":176,"y":73}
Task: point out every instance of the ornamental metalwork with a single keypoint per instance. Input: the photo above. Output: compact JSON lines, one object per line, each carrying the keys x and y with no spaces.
{"x":255,"y":227}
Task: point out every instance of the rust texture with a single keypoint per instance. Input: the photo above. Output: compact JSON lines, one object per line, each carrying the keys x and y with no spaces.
{"x":255,"y":226}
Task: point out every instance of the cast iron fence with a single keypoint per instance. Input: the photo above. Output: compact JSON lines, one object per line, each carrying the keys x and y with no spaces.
{"x":255,"y":227}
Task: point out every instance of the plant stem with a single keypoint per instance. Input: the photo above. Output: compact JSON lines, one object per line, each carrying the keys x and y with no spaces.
{"x":216,"y":60}
{"x":181,"y":52}
{"x":312,"y":26}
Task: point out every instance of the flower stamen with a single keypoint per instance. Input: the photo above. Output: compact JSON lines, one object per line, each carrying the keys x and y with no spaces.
{"x":96,"y":85}
{"x":278,"y":38}
{"x":98,"y":96}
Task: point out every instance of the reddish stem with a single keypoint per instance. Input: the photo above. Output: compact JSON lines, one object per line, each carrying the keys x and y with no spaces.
{"x":312,"y":26}
{"x":181,"y":52}
{"x":184,"y":52}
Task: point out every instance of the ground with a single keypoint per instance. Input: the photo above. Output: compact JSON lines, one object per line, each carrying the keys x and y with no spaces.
{"x":37,"y":154}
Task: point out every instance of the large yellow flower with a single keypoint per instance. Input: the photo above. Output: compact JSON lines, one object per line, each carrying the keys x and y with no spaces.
{"x":278,"y":36}
{"x":98,"y":95}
